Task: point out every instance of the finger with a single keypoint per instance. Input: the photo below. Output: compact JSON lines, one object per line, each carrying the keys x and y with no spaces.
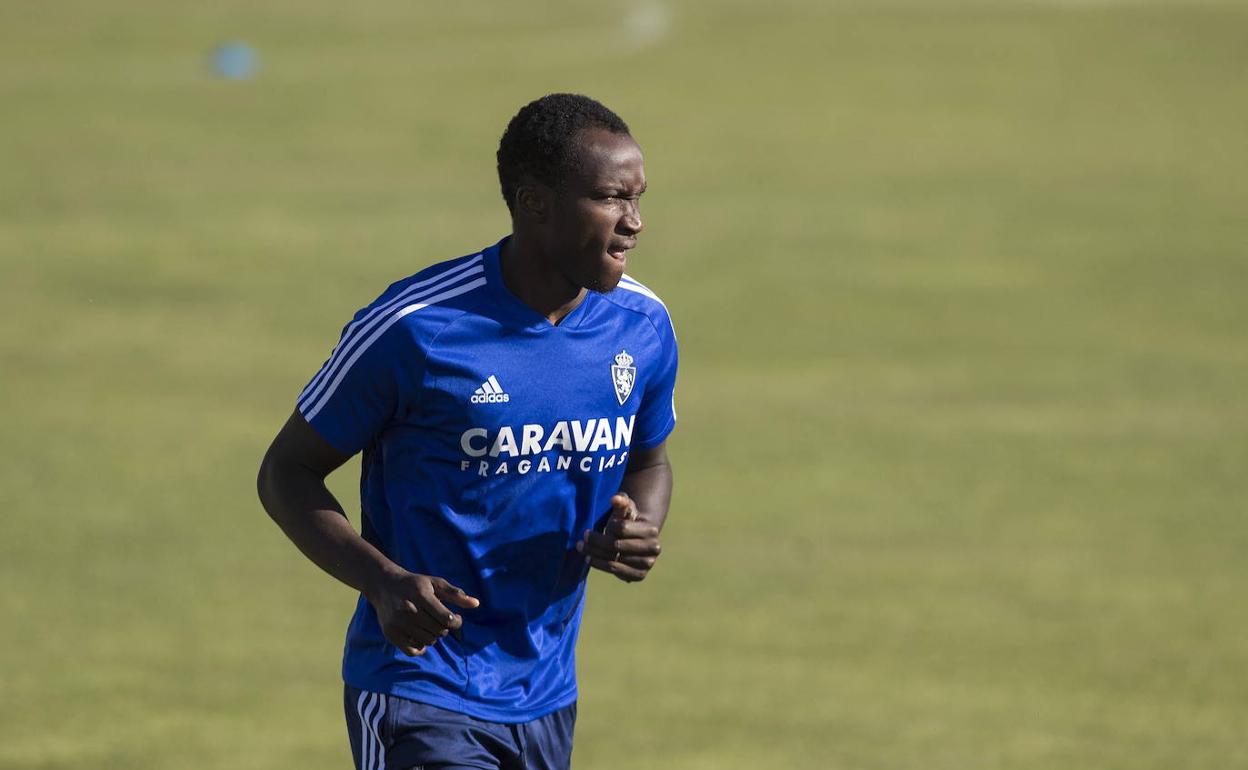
{"x":638,"y":547}
{"x":630,"y":528}
{"x":427,"y":624}
{"x":455,"y":595}
{"x":622,"y":571}
{"x":623,"y":507}
{"x":643,"y":563}
{"x":427,"y":603}
{"x":600,"y":546}
{"x":415,"y":626}
{"x":407,"y":642}
{"x":413,"y":647}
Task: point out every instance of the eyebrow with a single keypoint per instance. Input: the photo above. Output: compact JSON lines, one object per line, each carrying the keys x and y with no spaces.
{"x":615,"y":188}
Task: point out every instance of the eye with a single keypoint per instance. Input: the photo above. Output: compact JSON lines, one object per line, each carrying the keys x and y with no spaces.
{"x":615,"y":196}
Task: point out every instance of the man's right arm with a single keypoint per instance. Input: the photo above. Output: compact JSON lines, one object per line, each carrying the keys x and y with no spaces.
{"x":292,"y":489}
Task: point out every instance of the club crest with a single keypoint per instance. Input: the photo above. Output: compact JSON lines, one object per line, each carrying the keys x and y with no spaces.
{"x":623,"y":374}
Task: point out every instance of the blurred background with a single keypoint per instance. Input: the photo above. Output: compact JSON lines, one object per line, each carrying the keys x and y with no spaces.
{"x":962,"y":469}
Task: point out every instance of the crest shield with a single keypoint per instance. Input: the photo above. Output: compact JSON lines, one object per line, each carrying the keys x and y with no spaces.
{"x":623,"y":375}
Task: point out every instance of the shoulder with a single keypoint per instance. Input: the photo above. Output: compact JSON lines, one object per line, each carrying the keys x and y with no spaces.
{"x":633,"y":295}
{"x":436,"y":283}
{"x":425,"y":302}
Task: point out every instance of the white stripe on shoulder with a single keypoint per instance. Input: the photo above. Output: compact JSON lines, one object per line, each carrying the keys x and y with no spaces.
{"x":363,"y":325}
{"x":628,"y":283}
{"x":357,"y":328}
{"x":310,"y":411}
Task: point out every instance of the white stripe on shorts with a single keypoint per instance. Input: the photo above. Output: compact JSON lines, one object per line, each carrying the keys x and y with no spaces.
{"x":371,"y":707}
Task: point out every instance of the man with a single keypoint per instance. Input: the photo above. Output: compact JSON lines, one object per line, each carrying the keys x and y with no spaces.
{"x":512,"y":407}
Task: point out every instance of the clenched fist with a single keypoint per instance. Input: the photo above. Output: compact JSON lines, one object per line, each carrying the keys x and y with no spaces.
{"x":628,"y":545}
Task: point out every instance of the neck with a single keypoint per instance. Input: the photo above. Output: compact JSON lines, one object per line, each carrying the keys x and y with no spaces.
{"x":528,"y":275}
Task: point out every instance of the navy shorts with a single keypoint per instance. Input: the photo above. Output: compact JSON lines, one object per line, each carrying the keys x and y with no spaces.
{"x":392,"y":733}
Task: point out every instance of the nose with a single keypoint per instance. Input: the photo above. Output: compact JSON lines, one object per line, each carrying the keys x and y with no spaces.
{"x":631,"y":222}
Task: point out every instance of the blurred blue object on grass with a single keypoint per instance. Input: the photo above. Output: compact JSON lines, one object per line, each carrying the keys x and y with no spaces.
{"x":234,"y":61}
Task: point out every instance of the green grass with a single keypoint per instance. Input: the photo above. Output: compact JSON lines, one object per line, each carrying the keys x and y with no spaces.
{"x":960,"y":291}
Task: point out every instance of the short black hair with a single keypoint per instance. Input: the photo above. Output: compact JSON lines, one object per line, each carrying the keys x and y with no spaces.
{"x":538,"y":139}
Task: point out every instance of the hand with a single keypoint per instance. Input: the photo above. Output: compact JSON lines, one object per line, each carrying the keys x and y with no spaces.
{"x":412,"y":615}
{"x":627,"y":547}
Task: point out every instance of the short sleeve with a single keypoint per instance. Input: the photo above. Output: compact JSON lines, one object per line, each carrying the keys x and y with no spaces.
{"x":657,"y":416}
{"x":371,"y":374}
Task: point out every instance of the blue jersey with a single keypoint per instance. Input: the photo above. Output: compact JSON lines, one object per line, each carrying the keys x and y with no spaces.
{"x":491,"y":441}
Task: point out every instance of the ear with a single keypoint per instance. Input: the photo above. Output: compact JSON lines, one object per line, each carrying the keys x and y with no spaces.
{"x":532,"y":203}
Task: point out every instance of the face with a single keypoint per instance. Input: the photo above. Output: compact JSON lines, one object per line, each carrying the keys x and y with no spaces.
{"x":595,"y":218}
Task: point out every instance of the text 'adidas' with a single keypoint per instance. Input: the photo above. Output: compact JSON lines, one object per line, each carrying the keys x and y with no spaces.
{"x":490,"y":392}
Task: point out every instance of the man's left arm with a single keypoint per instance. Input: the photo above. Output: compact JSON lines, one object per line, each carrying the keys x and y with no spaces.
{"x":628,"y":545}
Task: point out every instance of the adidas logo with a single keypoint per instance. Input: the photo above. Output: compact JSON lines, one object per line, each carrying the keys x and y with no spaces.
{"x":490,"y":392}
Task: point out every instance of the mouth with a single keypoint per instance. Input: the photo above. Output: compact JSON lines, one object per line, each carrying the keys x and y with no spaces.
{"x":619,"y":249}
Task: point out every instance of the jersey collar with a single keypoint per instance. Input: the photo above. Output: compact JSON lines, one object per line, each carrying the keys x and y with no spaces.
{"x":512,"y":308}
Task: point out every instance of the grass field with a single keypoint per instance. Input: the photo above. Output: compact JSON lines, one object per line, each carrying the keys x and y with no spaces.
{"x":962,"y":473}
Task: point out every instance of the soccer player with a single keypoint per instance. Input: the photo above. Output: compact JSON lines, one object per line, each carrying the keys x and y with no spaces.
{"x":512,"y":407}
